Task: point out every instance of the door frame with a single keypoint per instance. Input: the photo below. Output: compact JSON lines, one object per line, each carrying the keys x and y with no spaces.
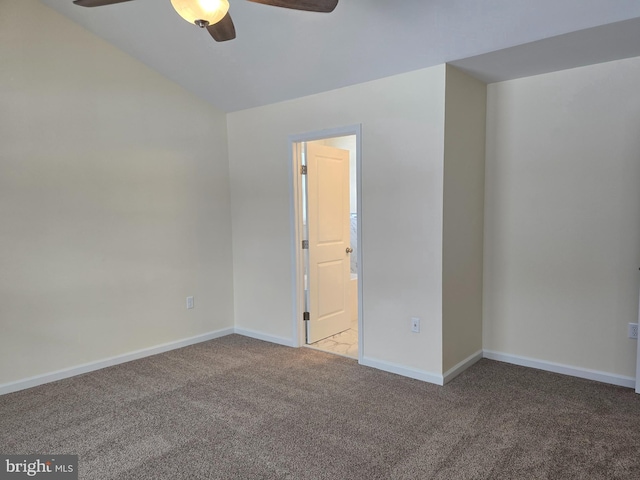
{"x":297,"y":263}
{"x":638,"y":354}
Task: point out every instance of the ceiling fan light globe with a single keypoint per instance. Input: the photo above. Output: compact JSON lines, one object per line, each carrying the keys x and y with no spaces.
{"x":211,"y":11}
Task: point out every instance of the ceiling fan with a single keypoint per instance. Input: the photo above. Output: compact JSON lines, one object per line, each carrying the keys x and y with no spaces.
{"x":214,"y":14}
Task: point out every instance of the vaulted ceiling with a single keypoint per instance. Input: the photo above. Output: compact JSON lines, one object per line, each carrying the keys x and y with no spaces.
{"x":281,"y":54}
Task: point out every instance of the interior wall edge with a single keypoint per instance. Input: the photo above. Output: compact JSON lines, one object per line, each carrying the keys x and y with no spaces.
{"x":456,"y":370}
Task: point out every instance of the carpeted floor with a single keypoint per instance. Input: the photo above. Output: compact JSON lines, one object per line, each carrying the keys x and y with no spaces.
{"x":238,"y":408}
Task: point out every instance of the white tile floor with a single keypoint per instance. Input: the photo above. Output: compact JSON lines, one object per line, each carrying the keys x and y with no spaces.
{"x":344,"y":343}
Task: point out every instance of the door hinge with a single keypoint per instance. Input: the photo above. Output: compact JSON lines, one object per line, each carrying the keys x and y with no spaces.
{"x":303,"y":169}
{"x":305,"y":244}
{"x":305,"y":316}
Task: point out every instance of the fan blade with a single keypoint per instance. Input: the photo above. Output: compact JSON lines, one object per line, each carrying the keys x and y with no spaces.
{"x":97,"y":3}
{"x":323,"y":6}
{"x":223,"y":30}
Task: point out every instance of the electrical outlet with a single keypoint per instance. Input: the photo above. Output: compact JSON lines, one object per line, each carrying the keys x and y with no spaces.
{"x":633,"y":330}
{"x":189,"y":302}
{"x":415,"y":325}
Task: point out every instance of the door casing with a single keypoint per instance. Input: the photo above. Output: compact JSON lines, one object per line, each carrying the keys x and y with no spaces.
{"x":298,"y":330}
{"x":638,"y":356}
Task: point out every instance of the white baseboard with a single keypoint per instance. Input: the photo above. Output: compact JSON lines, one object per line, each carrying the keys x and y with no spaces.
{"x":108,"y":362}
{"x":596,"y":375}
{"x":456,"y":370}
{"x":402,"y":370}
{"x":287,"y":342}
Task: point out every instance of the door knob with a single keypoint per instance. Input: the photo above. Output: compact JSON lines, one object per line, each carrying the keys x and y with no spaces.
{"x":349,"y":249}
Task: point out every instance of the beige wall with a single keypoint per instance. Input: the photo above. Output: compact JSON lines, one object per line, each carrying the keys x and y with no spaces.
{"x":402,"y":121}
{"x":562,"y":217}
{"x":114,"y":201}
{"x":464,"y":149}
{"x":115,"y":205}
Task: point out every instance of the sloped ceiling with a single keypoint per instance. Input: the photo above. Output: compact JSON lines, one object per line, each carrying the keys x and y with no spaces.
{"x":282,"y":54}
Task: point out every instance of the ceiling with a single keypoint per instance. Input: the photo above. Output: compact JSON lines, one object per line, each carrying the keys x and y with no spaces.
{"x":282,"y":54}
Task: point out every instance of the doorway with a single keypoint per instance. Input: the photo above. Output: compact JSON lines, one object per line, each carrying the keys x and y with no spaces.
{"x":328,"y":253}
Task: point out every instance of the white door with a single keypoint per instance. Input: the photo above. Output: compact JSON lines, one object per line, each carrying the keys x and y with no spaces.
{"x":329,"y":241}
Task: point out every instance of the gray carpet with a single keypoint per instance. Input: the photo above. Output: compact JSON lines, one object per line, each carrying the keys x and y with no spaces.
{"x":238,"y":408}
